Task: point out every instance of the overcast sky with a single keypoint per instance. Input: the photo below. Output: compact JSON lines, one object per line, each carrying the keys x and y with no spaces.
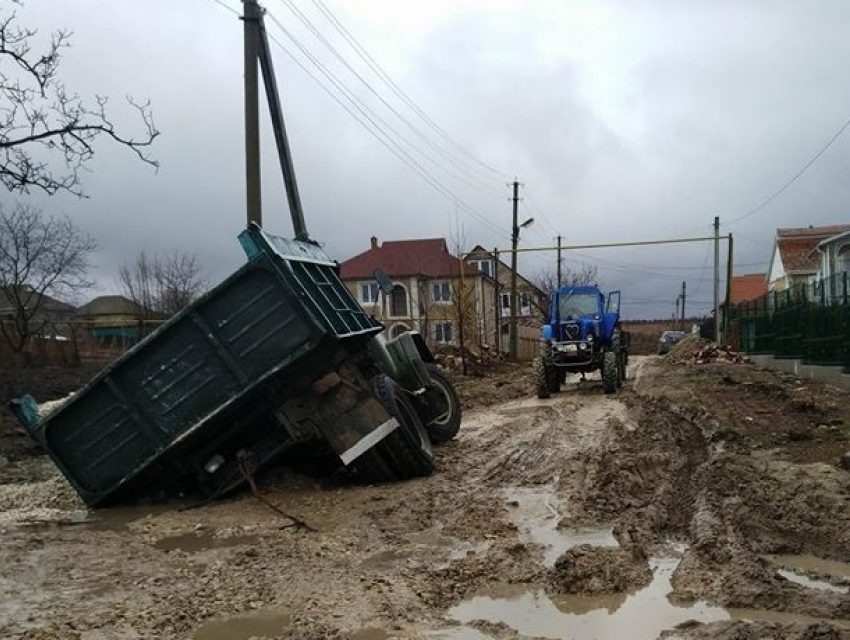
{"x":624,"y":121}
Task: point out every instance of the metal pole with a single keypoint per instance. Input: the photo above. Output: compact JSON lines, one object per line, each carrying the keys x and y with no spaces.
{"x":251,"y":19}
{"x":717,"y":279}
{"x":512,"y":350}
{"x":684,"y":297}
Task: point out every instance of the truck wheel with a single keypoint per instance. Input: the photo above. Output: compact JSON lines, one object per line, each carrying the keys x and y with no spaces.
{"x":407,"y":450}
{"x":370,"y":467}
{"x":444,"y":398}
{"x":541,"y":380}
{"x":610,"y":371}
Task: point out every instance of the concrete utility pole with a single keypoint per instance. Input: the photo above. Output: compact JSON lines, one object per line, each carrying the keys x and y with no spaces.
{"x":717,"y":278}
{"x":512,"y":345}
{"x":729,"y":268}
{"x":251,"y":21}
{"x":684,"y":297}
{"x":559,"y":261}
{"x":498,"y":295}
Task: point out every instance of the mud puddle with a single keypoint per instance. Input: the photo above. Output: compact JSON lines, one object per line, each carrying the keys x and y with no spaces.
{"x":536,"y":512}
{"x":197,"y":542}
{"x":809,"y":564}
{"x":269,"y":622}
{"x":637,"y":616}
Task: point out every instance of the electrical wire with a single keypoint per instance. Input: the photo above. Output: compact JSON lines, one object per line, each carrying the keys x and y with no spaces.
{"x":231,"y":9}
{"x":471,"y":178}
{"x":375,"y":128}
{"x":805,"y":168}
{"x":394,"y":87}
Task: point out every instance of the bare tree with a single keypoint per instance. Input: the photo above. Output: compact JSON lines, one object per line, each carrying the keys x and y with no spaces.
{"x":42,"y":123}
{"x":40,"y":257}
{"x":547,"y":281}
{"x":162,"y":285}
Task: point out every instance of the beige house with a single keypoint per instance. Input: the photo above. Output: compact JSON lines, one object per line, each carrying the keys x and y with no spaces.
{"x":530,"y":303}
{"x":434,"y":292}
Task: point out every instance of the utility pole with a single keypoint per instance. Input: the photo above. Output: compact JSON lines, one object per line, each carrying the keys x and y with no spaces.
{"x":498,"y":296}
{"x":512,"y":345}
{"x":684,"y":297}
{"x":676,"y":312}
{"x":717,"y":279}
{"x":559,"y":261}
{"x":251,"y":19}
{"x":729,"y":268}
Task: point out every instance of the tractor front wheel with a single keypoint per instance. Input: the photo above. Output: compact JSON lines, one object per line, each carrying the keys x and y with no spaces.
{"x":541,"y":378}
{"x":610,"y":371}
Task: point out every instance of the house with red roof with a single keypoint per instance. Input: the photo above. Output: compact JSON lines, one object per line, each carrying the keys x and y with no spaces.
{"x":798,"y":254}
{"x":748,"y":287}
{"x":433,"y":292}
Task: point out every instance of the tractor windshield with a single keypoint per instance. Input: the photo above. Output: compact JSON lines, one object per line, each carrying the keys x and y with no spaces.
{"x":577,"y":304}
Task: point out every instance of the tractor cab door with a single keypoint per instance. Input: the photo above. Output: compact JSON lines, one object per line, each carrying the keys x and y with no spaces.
{"x":613,"y":305}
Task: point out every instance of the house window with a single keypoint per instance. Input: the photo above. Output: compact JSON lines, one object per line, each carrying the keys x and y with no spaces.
{"x":369,"y":292}
{"x":441,"y":291}
{"x":524,"y":302}
{"x":398,"y":302}
{"x":506,"y":303}
{"x":484,"y":266}
{"x":442,"y":332}
{"x":844,"y":260}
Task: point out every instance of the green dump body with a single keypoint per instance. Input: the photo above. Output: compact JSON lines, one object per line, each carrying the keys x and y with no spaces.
{"x":210,"y":376}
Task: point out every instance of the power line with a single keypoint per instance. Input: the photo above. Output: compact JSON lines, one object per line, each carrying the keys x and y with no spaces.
{"x":394,"y":87}
{"x":231,"y":9}
{"x":375,"y":128}
{"x":472,"y":179}
{"x":814,"y":159}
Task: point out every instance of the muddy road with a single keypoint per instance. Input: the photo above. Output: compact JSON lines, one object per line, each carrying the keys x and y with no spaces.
{"x":701,"y":502}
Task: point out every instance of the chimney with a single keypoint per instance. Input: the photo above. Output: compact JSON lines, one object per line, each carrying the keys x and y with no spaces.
{"x":374,"y":242}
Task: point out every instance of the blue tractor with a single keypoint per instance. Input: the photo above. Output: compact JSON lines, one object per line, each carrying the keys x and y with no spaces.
{"x":582,"y":335}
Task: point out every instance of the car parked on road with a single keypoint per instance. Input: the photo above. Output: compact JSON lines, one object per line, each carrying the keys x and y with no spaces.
{"x":669,"y":339}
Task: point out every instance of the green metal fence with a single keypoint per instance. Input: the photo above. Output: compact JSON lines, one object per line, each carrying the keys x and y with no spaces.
{"x":809,"y":322}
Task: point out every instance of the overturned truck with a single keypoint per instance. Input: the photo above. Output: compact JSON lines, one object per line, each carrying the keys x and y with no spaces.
{"x":278,"y":354}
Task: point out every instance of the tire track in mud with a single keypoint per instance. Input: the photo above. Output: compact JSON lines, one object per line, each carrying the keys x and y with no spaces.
{"x":678,"y":477}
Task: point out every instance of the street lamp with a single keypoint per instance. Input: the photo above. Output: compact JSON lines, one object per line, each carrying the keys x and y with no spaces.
{"x":512,"y":345}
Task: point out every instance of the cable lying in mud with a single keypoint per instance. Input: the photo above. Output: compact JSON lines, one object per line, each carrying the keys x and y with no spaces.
{"x":249,"y":478}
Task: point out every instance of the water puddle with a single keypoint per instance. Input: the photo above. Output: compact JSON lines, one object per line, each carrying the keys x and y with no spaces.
{"x":536,"y":513}
{"x":810,"y":583}
{"x":783,"y":617}
{"x":457,"y":633}
{"x":269,"y":622}
{"x":812,"y":564}
{"x":202,"y":541}
{"x":641,"y":615}
{"x":370,"y":633}
{"x":120,"y":518}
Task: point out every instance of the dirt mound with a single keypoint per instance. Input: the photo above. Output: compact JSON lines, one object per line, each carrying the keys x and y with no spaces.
{"x":592,"y":570}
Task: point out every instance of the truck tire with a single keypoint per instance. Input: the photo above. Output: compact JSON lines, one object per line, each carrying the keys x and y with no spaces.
{"x":610,"y":371}
{"x":371,"y":468}
{"x":447,"y":424}
{"x":407,"y":450}
{"x":541,"y":380}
